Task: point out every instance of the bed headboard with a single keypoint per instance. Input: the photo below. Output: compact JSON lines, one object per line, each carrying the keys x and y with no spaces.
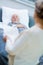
{"x":0,"y":14}
{"x":31,"y":20}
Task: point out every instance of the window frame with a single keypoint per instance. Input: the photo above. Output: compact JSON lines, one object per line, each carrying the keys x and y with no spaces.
{"x":26,"y":3}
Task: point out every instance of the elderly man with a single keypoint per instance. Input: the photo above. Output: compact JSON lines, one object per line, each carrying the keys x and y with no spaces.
{"x":16,"y":21}
{"x":14,"y":24}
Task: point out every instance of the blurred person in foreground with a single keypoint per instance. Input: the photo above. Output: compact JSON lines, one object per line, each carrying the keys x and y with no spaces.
{"x":29,"y":45}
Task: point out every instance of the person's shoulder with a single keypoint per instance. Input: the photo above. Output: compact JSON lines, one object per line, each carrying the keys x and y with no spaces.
{"x":30,"y":31}
{"x":26,"y":32}
{"x":33,"y":28}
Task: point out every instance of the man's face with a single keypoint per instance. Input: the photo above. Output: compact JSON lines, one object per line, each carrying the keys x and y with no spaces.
{"x":15,"y":18}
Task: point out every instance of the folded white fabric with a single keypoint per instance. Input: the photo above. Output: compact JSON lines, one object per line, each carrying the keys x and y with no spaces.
{"x":11,"y":33}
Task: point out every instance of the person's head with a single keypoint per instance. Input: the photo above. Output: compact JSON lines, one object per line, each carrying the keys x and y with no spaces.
{"x":14,"y":18}
{"x":38,"y":14}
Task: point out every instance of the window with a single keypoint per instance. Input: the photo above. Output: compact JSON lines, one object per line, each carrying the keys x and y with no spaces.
{"x":31,"y":0}
{"x":27,"y":2}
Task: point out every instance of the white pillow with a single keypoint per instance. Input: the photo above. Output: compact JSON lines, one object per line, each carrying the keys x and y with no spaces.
{"x":8,"y":12}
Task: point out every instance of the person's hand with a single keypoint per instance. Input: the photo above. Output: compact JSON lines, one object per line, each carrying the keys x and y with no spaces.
{"x":5,"y":38}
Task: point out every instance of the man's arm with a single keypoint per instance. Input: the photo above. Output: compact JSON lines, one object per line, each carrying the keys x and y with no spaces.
{"x":21,"y":26}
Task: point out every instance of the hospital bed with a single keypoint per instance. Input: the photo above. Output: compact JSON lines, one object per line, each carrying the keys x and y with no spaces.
{"x":30,"y":24}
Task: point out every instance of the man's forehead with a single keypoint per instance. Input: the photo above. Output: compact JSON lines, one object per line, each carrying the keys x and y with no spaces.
{"x":14,"y":15}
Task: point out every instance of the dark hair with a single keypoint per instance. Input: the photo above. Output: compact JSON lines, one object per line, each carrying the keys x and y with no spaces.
{"x":40,"y":60}
{"x":39,"y":8}
{"x":40,"y":63}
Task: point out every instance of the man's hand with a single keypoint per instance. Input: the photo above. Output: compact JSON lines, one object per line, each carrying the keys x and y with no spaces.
{"x":5,"y":38}
{"x":20,"y":26}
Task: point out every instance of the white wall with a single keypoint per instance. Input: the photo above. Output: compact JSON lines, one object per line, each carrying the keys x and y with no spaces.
{"x":13,"y":4}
